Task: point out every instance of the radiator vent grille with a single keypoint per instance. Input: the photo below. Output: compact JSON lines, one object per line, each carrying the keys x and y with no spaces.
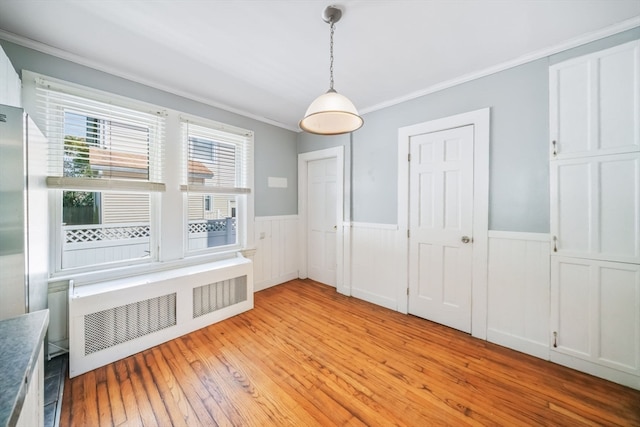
{"x":214,"y":296}
{"x":117,"y":325}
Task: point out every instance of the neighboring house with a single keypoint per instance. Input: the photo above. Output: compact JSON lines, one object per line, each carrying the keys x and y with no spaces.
{"x":118,"y":207}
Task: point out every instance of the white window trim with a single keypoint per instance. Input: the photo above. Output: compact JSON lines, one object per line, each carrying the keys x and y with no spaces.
{"x":169,"y":239}
{"x":244,"y":205}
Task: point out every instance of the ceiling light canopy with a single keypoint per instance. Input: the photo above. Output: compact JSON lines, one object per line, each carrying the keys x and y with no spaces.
{"x":331,"y":113}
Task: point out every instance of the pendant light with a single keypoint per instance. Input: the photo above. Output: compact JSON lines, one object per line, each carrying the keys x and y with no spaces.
{"x":331,"y":113}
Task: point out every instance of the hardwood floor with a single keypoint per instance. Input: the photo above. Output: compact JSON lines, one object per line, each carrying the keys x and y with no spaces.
{"x":308,"y":356}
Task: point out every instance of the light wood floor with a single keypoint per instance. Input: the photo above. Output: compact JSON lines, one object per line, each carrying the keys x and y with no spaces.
{"x":308,"y":356}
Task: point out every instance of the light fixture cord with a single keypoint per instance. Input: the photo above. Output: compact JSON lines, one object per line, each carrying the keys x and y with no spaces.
{"x":331,"y":54}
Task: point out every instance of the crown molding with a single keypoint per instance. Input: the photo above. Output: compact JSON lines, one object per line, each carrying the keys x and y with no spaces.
{"x":99,"y":66}
{"x":569,"y":44}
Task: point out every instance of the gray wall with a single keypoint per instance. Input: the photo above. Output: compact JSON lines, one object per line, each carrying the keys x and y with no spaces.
{"x":518,"y":97}
{"x":519,"y":167}
{"x":275,"y":148}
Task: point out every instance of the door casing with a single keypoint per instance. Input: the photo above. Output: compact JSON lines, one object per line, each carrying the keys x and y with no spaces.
{"x":480,"y":119}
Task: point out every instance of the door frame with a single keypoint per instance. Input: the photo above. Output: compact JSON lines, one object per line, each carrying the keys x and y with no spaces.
{"x":303,"y":164}
{"x":480,"y":119}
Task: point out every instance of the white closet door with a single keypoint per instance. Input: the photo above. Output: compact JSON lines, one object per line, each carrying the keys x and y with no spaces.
{"x":595,"y":103}
{"x":322,"y":221}
{"x":595,"y":207}
{"x":594,"y":106}
{"x":596,"y":312}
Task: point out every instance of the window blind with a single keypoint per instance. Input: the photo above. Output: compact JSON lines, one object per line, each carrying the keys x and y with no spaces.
{"x":96,"y":144}
{"x":216,"y":158}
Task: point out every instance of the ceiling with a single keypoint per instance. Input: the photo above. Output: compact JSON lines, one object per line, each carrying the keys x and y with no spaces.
{"x":269,"y":59}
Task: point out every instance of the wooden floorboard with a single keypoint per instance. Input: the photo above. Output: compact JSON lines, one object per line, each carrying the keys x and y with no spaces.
{"x":306,"y":355}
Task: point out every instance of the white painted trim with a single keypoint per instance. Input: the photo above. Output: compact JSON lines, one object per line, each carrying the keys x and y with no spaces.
{"x":543,"y":53}
{"x":276,"y":218}
{"x":373,"y":298}
{"x":480,"y":119}
{"x":303,"y":163}
{"x":260,"y":286}
{"x":595,"y":369}
{"x":519,"y":235}
{"x":374,"y":225}
{"x":569,"y":44}
{"x":523,"y":345}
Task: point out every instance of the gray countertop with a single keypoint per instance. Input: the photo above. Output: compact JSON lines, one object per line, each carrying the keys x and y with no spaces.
{"x":20,"y":341}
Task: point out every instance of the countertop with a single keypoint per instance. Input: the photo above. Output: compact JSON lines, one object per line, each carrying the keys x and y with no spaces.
{"x":21,"y":339}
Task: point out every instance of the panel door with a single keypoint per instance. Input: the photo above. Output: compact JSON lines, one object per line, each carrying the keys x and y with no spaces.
{"x":440,"y":222}
{"x":322,"y":221}
{"x":595,"y":207}
{"x":595,"y":103}
{"x":595,"y":311}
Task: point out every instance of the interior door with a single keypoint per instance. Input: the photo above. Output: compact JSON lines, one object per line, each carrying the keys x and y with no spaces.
{"x":322,"y":221}
{"x":440,"y":226}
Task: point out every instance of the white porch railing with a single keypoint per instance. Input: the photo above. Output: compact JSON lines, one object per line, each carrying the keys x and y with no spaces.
{"x":103,"y":243}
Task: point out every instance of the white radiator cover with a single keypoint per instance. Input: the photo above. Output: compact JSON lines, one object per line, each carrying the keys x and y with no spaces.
{"x":115,"y":319}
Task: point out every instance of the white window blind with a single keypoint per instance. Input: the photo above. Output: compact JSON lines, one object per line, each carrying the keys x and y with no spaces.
{"x":96,"y":144}
{"x":216,"y":158}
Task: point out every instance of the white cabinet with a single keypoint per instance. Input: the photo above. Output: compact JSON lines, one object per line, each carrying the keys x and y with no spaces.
{"x":596,"y":311}
{"x":595,"y":103}
{"x":595,"y":207}
{"x":595,"y":213}
{"x":32,"y":413}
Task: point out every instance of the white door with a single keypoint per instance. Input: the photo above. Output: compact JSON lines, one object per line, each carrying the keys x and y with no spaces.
{"x":440,"y":226}
{"x":322,"y":220}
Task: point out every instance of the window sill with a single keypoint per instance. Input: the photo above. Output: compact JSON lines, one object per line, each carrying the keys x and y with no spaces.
{"x":82,"y":278}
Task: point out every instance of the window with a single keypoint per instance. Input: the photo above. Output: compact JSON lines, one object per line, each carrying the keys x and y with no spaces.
{"x":217,"y":184}
{"x":105,"y":168}
{"x":114,"y":197}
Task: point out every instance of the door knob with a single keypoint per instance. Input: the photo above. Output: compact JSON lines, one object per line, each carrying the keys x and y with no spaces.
{"x":466,"y":239}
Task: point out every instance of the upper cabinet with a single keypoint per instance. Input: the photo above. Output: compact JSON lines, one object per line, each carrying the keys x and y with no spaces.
{"x":10,"y":86}
{"x":595,"y":207}
{"x":595,"y":103}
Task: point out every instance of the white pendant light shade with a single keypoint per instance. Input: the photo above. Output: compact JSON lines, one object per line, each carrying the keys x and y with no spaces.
{"x":331,"y":114}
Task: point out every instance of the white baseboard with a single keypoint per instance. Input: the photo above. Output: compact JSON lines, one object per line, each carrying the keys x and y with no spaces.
{"x":374,"y":299}
{"x":523,"y":345}
{"x":275,"y":281}
{"x":596,"y":370}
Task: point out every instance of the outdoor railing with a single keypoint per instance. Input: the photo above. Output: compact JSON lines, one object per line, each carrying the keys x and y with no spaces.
{"x":103,"y":243}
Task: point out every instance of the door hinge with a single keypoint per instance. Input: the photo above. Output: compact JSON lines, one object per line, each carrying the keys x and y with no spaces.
{"x":555,"y":147}
{"x":407,"y":291}
{"x":409,"y":157}
{"x":555,"y":244}
{"x":555,"y":339}
{"x":408,"y":234}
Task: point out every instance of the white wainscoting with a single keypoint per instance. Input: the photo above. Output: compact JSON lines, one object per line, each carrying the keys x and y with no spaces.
{"x":276,"y":257}
{"x":518,"y":295}
{"x":375,"y":263}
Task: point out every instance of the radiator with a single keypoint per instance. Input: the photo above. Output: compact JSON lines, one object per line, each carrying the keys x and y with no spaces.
{"x":115,"y":319}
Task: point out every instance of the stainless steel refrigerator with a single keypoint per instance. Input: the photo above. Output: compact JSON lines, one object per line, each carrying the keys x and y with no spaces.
{"x":24,"y":230}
